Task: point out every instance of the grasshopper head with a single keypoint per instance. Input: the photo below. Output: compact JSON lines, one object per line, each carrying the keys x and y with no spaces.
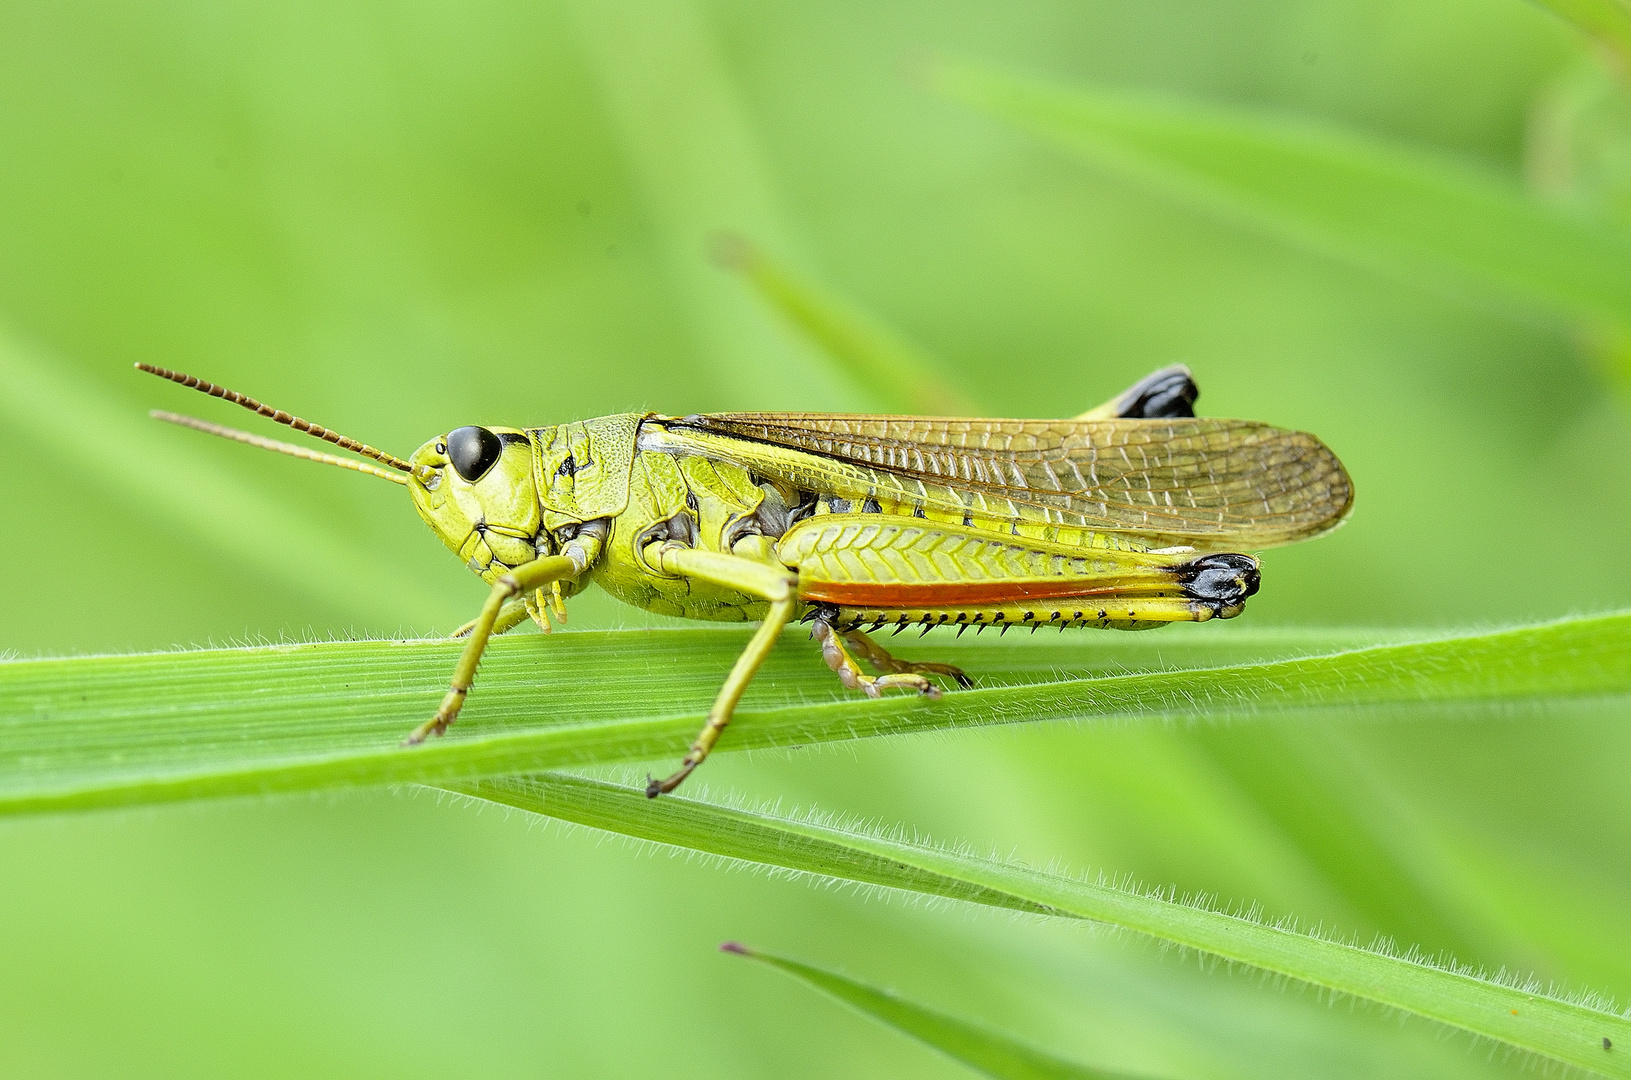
{"x":474,"y":488}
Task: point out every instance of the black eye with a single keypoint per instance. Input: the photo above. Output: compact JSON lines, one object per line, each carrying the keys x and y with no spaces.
{"x":473,"y":450}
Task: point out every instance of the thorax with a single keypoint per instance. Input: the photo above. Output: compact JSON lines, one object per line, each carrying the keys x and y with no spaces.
{"x":689,"y":499}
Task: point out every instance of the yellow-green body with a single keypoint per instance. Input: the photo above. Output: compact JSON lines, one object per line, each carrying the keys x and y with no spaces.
{"x":1122,"y":517}
{"x":650,"y":479}
{"x":560,"y":478}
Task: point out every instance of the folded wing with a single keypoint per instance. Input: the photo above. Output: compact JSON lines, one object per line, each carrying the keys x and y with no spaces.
{"x":1201,"y":481}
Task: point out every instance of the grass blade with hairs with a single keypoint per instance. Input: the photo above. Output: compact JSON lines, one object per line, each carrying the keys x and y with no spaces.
{"x":116,"y":730}
{"x":1582,"y":1032}
{"x":1374,"y":868}
{"x":982,"y":1048}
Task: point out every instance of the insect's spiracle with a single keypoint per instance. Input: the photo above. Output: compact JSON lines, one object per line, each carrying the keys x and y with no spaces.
{"x":194,"y":383}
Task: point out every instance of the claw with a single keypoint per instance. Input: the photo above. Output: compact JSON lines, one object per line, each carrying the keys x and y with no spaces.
{"x":434,"y":726}
{"x":655,"y":788}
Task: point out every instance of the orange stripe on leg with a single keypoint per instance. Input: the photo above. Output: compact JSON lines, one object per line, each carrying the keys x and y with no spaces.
{"x":967,"y":593}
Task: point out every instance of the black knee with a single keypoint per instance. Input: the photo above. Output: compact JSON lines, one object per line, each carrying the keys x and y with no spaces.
{"x":1167,"y":393}
{"x":1224,"y":580}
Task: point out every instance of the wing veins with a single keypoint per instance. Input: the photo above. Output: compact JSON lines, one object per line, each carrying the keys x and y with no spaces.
{"x":1231,"y":478}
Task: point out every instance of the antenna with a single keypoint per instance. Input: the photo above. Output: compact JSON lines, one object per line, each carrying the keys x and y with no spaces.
{"x":281,"y":417}
{"x":272,"y":444}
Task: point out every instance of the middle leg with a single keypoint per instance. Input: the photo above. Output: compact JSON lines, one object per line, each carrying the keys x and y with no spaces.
{"x":776,"y":585}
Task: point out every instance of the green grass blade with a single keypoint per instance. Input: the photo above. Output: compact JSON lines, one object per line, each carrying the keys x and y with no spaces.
{"x":887,"y":365}
{"x":1400,"y":211}
{"x":982,"y":1048}
{"x":1340,"y":816}
{"x":1609,"y":21}
{"x":1526,"y":1018}
{"x":1369,"y":869}
{"x":112,"y":730}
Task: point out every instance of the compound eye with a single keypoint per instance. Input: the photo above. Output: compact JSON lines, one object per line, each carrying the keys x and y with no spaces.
{"x":473,"y":450}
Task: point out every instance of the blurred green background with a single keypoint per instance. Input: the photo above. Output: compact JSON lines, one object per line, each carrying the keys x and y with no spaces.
{"x":399,"y":218}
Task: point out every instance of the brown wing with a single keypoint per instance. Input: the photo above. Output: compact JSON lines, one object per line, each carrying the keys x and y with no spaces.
{"x":1202,"y":481}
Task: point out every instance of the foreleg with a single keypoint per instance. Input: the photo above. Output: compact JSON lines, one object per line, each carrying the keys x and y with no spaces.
{"x":531,"y":575}
{"x":511,"y":615}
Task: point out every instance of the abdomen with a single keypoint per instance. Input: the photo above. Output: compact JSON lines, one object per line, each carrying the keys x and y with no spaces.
{"x":883,"y":569}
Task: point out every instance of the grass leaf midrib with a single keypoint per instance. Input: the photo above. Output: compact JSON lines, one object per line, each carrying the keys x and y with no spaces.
{"x":90,"y":731}
{"x":1528,"y":1019}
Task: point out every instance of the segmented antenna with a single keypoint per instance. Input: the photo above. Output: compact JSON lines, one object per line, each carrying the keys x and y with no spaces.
{"x":272,"y":444}
{"x":282,"y":417}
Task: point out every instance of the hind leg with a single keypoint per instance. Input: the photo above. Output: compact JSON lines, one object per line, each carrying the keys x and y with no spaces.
{"x":836,"y":649}
{"x":1168,"y":392}
{"x":881,"y":660}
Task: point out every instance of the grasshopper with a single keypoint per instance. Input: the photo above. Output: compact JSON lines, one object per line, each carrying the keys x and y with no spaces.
{"x":1120,"y":518}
